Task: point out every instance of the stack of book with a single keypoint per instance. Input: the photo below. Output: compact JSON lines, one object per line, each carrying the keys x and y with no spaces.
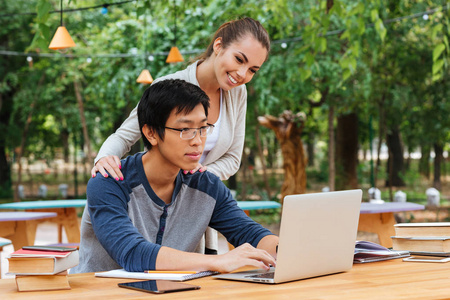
{"x":37,"y":270}
{"x":423,"y":238}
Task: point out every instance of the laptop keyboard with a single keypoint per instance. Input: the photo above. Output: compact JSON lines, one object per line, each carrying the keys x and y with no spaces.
{"x":262,"y":275}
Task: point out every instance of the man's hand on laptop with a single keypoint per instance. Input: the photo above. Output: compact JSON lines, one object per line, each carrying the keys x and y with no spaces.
{"x":244,"y":255}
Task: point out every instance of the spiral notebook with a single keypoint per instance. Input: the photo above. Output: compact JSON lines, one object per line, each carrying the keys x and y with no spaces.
{"x":121,"y":273}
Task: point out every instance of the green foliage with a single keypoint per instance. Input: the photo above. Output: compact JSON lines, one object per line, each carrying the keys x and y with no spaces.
{"x":396,"y":70}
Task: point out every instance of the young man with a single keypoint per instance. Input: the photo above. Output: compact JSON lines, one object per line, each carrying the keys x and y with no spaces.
{"x":154,"y":219}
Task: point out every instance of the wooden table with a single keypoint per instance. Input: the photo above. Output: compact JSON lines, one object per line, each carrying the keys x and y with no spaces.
{"x":379,"y":219}
{"x":392,"y":279}
{"x":65,"y":210}
{"x":20,"y":227}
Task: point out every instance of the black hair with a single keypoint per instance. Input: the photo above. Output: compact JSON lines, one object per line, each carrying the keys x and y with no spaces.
{"x":161,"y":98}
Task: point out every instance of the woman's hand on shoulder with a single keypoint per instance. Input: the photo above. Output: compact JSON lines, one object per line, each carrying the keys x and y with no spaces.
{"x":110,"y":163}
{"x":199,"y":168}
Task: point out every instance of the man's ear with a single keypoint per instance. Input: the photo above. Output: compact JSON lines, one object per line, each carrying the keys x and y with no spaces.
{"x":150,"y":134}
{"x":217,"y":46}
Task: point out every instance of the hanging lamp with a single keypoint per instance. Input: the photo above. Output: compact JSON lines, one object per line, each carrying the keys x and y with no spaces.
{"x":62,"y":38}
{"x":174,"y":54}
{"x":145,"y":77}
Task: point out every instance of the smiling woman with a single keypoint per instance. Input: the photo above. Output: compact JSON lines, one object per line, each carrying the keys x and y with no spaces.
{"x":237,"y":51}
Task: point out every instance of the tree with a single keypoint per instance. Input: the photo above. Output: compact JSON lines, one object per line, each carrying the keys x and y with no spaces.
{"x":288,"y":129}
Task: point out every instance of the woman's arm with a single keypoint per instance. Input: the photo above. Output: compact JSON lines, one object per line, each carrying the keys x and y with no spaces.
{"x":115,"y":146}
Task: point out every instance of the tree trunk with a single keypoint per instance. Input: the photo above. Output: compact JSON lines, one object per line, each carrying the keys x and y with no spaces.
{"x":310,"y":149}
{"x":83,"y":120}
{"x":347,"y":152}
{"x":65,"y":142}
{"x":438,"y":159}
{"x":263,"y":161}
{"x":408,"y":161}
{"x":244,"y":167}
{"x":381,"y":131}
{"x":288,"y":128}
{"x":395,"y":160}
{"x":331,"y":161}
{"x":5,"y":169}
{"x":75,"y":164}
{"x":424,"y":162}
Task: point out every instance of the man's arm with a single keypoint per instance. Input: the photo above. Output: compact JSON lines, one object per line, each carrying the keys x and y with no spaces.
{"x":244,"y":255}
{"x":269,"y":243}
{"x":107,"y":204}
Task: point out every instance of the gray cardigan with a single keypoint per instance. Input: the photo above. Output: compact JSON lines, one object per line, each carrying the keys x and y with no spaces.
{"x":224,"y":159}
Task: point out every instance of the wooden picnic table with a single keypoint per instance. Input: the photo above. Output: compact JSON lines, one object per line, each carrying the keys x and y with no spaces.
{"x":380,"y":219}
{"x":66,"y":214}
{"x":20,"y":227}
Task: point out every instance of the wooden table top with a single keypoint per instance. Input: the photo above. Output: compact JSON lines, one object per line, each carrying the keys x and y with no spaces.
{"x":392,"y":279}
{"x":252,"y":205}
{"x":387,"y":207}
{"x":43,"y":204}
{"x":24,"y":216}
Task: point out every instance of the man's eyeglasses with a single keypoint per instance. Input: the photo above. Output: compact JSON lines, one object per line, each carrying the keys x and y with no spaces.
{"x":190,"y":133}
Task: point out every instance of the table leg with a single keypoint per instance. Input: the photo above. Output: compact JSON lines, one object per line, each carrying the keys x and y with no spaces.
{"x":67,"y":218}
{"x":70,"y":224}
{"x":382,"y":224}
{"x":21,"y":233}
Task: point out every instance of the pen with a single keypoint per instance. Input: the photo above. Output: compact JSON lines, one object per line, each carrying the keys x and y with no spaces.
{"x":171,"y":272}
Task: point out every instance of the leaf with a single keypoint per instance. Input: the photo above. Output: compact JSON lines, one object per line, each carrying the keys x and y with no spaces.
{"x":437,"y":77}
{"x":45,"y":30}
{"x":345,"y":35}
{"x":309,"y":58}
{"x":305,"y":74}
{"x":437,"y":66}
{"x":381,"y":30}
{"x":437,"y":51}
{"x":346,"y":74}
{"x":352,"y":63}
{"x":361,"y":26}
{"x":140,"y":11}
{"x":355,"y":49}
{"x":374,"y":15}
{"x":436,"y":29}
{"x":43,"y":8}
{"x":344,"y":62}
{"x":323,"y":44}
{"x":336,"y":9}
{"x":361,"y":7}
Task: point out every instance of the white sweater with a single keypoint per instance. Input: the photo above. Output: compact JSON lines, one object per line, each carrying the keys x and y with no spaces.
{"x":224,"y":159}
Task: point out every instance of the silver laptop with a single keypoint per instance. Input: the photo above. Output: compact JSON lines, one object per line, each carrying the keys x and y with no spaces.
{"x":317,"y":237}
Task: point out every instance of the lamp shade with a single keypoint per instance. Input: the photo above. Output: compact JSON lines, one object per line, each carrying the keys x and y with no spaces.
{"x":61,"y":39}
{"x":174,"y":56}
{"x":145,"y":77}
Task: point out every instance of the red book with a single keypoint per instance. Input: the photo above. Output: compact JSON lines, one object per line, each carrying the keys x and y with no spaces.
{"x":37,"y":253}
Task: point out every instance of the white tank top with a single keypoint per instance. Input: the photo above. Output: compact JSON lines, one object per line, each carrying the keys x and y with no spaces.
{"x":212,"y":139}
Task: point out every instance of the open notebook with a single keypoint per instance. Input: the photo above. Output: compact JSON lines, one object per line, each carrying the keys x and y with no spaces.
{"x":121,"y":273}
